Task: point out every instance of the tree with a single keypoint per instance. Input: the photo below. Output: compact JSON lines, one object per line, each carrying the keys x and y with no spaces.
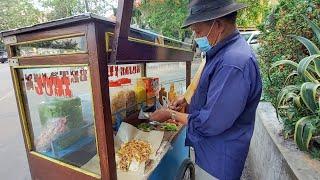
{"x":164,"y":16}
{"x":167,"y":16}
{"x":18,"y":13}
{"x":253,"y":15}
{"x":64,"y":8}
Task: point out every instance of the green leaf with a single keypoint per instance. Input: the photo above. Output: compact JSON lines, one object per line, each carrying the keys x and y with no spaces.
{"x":282,"y":62}
{"x":286,"y":98}
{"x":312,"y":48}
{"x":286,"y":90}
{"x":308,"y":94}
{"x":291,"y":75}
{"x":303,"y":68}
{"x":295,"y":98}
{"x":304,"y":130}
{"x":297,"y":102}
{"x":315,"y":28}
{"x":281,"y":98}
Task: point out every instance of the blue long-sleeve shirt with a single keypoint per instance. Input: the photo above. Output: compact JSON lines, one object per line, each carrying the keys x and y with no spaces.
{"x":222,"y":110}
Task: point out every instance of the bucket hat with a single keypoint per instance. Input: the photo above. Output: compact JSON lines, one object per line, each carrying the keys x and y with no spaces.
{"x":205,"y":10}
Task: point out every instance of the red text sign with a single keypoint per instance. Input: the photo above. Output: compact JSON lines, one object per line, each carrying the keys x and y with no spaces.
{"x":54,"y":83}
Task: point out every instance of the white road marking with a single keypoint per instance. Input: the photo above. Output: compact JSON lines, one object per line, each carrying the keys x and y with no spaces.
{"x":7,"y":95}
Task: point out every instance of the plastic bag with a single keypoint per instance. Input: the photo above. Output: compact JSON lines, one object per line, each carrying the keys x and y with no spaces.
{"x":53,"y":129}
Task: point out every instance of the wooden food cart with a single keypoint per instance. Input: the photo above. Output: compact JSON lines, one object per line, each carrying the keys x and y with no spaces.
{"x":60,"y":74}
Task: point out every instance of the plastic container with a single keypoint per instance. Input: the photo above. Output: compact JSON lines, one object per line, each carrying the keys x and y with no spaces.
{"x":141,"y":93}
{"x":152,"y":89}
{"x":172,"y":95}
{"x":162,"y":93}
{"x":130,"y":99}
{"x":117,"y":101}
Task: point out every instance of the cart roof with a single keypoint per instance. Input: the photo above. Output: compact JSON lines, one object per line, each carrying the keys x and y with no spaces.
{"x":74,"y":19}
{"x":55,"y":23}
{"x":136,"y":32}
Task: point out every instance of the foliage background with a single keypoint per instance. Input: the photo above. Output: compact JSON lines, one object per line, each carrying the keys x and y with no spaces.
{"x":64,"y":8}
{"x":285,"y":19}
{"x":18,"y":13}
{"x":167,"y":16}
{"x":254,"y":14}
{"x":162,"y":16}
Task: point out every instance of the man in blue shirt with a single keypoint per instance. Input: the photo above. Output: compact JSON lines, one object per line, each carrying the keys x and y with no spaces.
{"x":221,"y":114}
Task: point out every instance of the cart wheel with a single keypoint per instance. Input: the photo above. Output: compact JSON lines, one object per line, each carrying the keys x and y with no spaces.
{"x":186,"y":171}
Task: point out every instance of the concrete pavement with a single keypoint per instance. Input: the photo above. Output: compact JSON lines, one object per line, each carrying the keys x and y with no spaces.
{"x":13,"y":160}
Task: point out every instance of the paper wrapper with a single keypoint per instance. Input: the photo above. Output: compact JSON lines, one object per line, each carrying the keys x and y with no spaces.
{"x":125,"y":134}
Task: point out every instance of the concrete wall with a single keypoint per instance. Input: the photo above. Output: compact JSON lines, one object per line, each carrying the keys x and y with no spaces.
{"x":273,"y":158}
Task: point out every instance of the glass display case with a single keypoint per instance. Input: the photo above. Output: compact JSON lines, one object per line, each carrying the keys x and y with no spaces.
{"x":59,"y":112}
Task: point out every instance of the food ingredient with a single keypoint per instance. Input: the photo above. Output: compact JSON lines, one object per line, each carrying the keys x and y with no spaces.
{"x":140,"y":90}
{"x":152,"y":88}
{"x":169,"y":127}
{"x":62,"y":107}
{"x":172,"y":121}
{"x":57,"y":108}
{"x":55,"y":127}
{"x":162,"y":93}
{"x":172,"y":95}
{"x":146,"y":127}
{"x":131,"y":102}
{"x":118,"y":103}
{"x":137,"y":150}
{"x":123,"y":102}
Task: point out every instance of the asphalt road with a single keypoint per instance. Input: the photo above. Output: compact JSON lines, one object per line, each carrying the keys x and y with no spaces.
{"x":13,"y":160}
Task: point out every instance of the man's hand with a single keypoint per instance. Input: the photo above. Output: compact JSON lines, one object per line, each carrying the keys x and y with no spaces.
{"x":178,"y":104}
{"x":161,"y":115}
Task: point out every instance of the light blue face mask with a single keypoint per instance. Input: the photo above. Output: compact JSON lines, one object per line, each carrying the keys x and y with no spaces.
{"x":203,"y":42}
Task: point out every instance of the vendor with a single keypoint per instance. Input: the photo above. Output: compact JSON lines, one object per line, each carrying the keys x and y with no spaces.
{"x":224,"y":94}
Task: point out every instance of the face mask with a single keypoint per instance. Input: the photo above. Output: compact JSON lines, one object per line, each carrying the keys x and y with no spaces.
{"x":203,"y":42}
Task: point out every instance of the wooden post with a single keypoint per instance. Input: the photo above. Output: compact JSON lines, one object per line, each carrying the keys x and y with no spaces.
{"x":188,"y":73}
{"x":122,"y":27}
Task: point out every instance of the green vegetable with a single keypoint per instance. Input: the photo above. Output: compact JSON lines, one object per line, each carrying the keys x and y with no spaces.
{"x":62,"y":107}
{"x":145,"y":127}
{"x":169,"y":127}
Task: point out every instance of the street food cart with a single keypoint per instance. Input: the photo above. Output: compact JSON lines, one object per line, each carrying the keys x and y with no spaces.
{"x":77,"y":82}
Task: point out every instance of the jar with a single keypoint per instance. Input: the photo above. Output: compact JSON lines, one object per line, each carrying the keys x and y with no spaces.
{"x":172,"y":95}
{"x":141,"y":93}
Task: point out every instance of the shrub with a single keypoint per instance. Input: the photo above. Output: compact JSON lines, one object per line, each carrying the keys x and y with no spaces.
{"x":285,"y":19}
{"x":298,"y":103}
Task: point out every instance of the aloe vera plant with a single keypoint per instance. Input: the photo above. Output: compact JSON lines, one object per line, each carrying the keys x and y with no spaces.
{"x":302,"y":100}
